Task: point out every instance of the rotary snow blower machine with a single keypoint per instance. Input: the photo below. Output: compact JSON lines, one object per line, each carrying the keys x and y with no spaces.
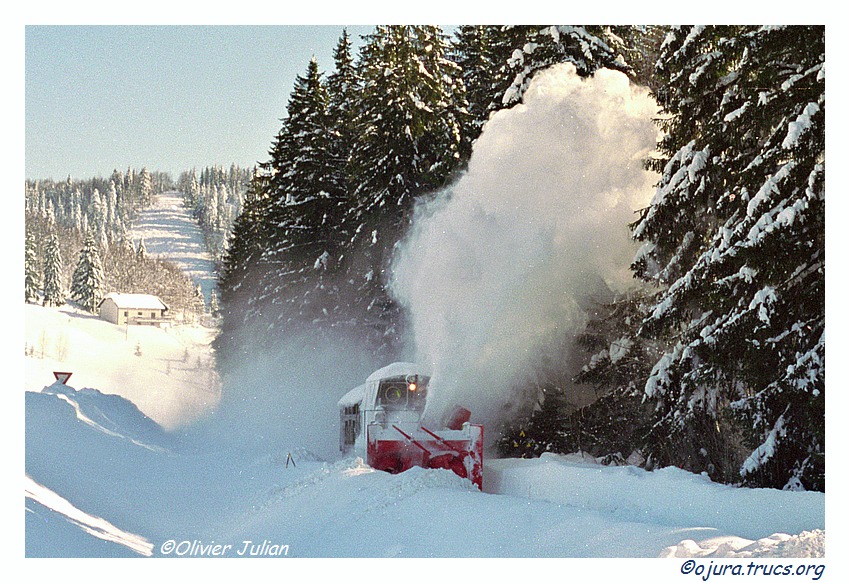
{"x":381,"y":421}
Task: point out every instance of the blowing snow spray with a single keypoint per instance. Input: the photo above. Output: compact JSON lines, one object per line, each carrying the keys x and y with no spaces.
{"x":498,"y":265}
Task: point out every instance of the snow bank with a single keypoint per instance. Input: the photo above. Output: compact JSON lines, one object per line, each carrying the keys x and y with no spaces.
{"x":805,"y":544}
{"x":84,"y":533}
{"x":111,"y":414}
{"x":668,"y":496}
{"x":107,"y":460}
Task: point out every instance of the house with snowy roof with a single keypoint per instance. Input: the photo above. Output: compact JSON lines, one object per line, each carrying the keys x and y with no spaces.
{"x":141,"y":309}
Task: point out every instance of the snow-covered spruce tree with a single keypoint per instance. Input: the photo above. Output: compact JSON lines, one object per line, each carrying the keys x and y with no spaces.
{"x":285,"y":251}
{"x":97,"y":217}
{"x":521,"y":51}
{"x":113,"y":222}
{"x":639,"y":46}
{"x":734,"y":238}
{"x":189,"y":187}
{"x":32,"y":273}
{"x":116,"y":180}
{"x":145,"y":188}
{"x":304,"y":210}
{"x":88,"y":278}
{"x":484,"y":53}
{"x":54,"y":294}
{"x":241,"y":269}
{"x":472,"y":50}
{"x":410,"y":127}
{"x":478,"y":51}
{"x":343,"y":94}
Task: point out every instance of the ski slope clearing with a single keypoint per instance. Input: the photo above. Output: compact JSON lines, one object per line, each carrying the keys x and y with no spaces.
{"x":169,"y":232}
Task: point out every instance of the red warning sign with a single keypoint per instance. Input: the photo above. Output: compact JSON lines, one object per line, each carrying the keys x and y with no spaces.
{"x":62,"y":377}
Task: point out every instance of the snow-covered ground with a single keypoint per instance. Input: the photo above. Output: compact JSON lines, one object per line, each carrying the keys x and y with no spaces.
{"x":118,"y":464}
{"x":100,"y":455}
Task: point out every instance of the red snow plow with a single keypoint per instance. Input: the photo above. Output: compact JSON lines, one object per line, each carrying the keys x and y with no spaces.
{"x":380,"y":420}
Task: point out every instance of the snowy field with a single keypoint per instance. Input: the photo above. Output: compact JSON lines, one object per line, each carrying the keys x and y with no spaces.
{"x":118,"y":464}
{"x":167,"y":373}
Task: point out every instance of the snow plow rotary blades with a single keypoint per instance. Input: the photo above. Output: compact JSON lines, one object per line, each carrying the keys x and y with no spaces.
{"x":394,"y":450}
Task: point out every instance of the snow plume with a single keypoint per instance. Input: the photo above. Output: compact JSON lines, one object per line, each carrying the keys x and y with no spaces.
{"x":285,"y":398}
{"x":497,"y":268}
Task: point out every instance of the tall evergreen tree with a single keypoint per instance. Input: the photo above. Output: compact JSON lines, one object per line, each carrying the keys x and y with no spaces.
{"x":146,"y":188}
{"x":88,"y":279}
{"x":474,"y":51}
{"x":241,"y":268}
{"x":735,"y":239}
{"x":410,"y":130}
{"x":32,"y":273}
{"x":303,"y":210}
{"x":54,"y":294}
{"x":343,"y":92}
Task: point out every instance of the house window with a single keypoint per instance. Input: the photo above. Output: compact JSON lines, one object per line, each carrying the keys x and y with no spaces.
{"x":153,"y":315}
{"x":125,"y":313}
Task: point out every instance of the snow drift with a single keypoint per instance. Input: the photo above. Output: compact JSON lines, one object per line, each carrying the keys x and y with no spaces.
{"x":498,"y":266}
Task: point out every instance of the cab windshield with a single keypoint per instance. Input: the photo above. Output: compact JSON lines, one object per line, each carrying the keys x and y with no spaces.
{"x":403,"y":393}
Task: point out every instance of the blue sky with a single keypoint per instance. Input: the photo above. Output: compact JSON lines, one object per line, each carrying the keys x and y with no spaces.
{"x":168,"y":97}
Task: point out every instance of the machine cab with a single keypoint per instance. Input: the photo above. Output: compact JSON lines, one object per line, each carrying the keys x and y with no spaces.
{"x":405,"y":393}
{"x":395,"y":394}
